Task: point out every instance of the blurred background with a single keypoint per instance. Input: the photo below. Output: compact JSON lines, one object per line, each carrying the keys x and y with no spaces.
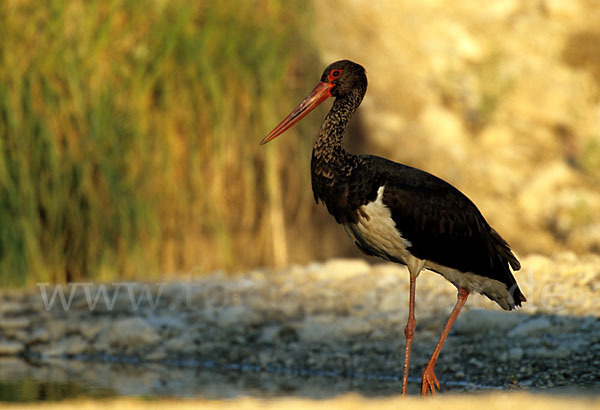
{"x":129,"y":130}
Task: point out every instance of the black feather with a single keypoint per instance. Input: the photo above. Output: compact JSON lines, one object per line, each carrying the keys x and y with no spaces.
{"x":442,"y":225}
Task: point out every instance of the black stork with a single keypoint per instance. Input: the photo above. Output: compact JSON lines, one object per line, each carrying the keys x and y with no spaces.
{"x":402,"y":214}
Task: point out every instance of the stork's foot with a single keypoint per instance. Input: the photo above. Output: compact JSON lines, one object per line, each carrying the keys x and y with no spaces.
{"x":429,"y":382}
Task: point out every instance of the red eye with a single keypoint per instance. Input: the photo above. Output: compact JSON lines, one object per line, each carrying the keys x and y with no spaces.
{"x":333,"y":74}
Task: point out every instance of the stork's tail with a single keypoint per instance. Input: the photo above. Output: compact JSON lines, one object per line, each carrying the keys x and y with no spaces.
{"x":508,"y":258}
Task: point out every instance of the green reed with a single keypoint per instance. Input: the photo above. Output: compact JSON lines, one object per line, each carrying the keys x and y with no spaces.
{"x":129,"y":136}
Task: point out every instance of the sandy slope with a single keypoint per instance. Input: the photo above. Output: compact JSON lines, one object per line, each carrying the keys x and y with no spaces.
{"x":499,"y":99}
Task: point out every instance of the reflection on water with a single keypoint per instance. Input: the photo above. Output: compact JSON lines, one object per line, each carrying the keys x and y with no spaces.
{"x":21,"y":380}
{"x":28,"y":390}
{"x":58,"y":379}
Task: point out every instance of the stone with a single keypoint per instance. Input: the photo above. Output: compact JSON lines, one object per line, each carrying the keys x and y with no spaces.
{"x":477,"y":363}
{"x":531,"y":327}
{"x":11,"y":348}
{"x":14,"y":322}
{"x":56,"y":329}
{"x":340,"y":269}
{"x":171,"y":324}
{"x":477,"y":321}
{"x":11,"y":307}
{"x":19,"y":335}
{"x":39,"y":335}
{"x":351,"y":326}
{"x":156,"y":355}
{"x":90,"y":329}
{"x":270,"y":334}
{"x":515,"y":354}
{"x":264,"y":359}
{"x":391,"y":302}
{"x":559,"y":352}
{"x":312,"y":331}
{"x":132,"y":332}
{"x":235,"y":315}
{"x":326,"y":328}
{"x":73,"y":345}
{"x":207,"y":348}
{"x":183,"y":345}
{"x":102,"y":344}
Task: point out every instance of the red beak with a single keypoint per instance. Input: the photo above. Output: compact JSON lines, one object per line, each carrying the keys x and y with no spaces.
{"x":319,"y":94}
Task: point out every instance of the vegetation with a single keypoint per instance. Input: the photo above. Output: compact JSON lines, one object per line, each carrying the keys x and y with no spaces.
{"x":129,"y":135}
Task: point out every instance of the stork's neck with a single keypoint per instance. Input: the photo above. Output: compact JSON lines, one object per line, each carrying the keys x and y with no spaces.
{"x":329,"y":146}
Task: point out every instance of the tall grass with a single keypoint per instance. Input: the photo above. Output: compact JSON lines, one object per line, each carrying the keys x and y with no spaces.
{"x":129,"y":135}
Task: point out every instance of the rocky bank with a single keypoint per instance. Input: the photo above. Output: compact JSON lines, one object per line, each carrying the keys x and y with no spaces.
{"x":314,"y":330}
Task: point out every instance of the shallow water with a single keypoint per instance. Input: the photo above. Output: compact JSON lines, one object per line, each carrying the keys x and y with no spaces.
{"x":32,"y":390}
{"x":23,"y":381}
{"x":58,"y":379}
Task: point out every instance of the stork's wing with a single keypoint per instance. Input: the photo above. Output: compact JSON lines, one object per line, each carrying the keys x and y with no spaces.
{"x":442,"y":224}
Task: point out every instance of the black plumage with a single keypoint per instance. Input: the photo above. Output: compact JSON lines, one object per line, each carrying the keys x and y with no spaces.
{"x":401,"y":213}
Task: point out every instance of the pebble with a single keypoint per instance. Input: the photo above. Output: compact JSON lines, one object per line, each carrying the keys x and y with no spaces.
{"x":72,"y":345}
{"x":531,"y":327}
{"x":325,"y":328}
{"x":236,"y":315}
{"x":11,"y":348}
{"x":40,"y":335}
{"x":515,"y":354}
{"x":477,"y":363}
{"x":132,"y":333}
{"x":270,"y":334}
{"x":90,"y":329}
{"x":11,"y":307}
{"x":341,"y":269}
{"x":56,"y":329}
{"x":545,"y":353}
{"x":476,"y":321}
{"x":391,"y":302}
{"x":14,"y":322}
{"x":169,"y":323}
{"x":156,"y":355}
{"x":183,"y":345}
{"x":329,"y":317}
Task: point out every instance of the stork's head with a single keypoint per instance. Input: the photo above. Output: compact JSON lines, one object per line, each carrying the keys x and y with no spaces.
{"x":338,"y":79}
{"x":344,"y":76}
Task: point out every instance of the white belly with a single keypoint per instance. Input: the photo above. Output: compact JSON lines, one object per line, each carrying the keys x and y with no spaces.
{"x":377,"y":230}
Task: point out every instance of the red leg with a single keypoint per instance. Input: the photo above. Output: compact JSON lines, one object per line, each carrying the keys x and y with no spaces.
{"x":427,"y":383}
{"x":409,"y":332}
